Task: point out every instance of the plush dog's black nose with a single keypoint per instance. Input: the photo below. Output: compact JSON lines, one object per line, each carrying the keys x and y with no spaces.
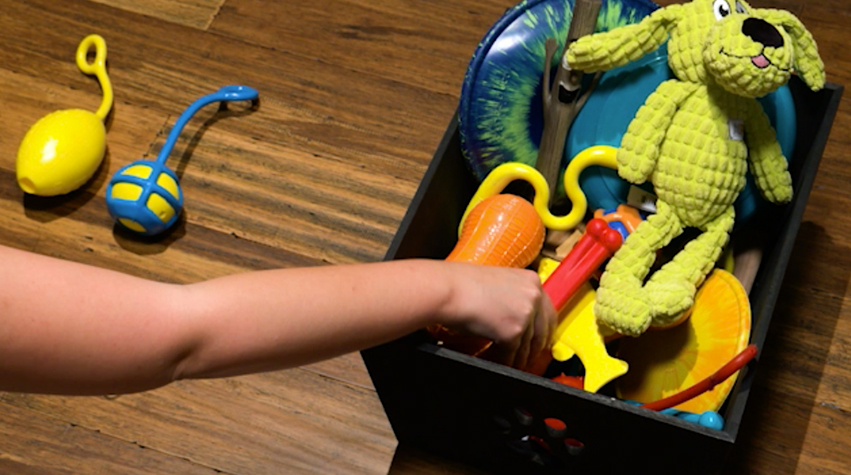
{"x":763,"y":32}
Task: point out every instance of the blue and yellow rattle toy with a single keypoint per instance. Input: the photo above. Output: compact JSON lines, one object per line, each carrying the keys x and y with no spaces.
{"x":145,"y":195}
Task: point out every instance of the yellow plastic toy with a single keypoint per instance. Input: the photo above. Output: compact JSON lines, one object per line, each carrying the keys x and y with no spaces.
{"x":694,"y":139}
{"x":501,"y":176}
{"x":578,"y":334}
{"x":665,"y":362}
{"x":63,"y":149}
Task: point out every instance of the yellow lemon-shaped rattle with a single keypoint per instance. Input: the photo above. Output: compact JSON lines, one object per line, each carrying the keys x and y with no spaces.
{"x":64,"y":149}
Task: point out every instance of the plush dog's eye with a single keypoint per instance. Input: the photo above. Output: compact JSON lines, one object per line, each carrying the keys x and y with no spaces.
{"x":740,"y":8}
{"x":721,"y":9}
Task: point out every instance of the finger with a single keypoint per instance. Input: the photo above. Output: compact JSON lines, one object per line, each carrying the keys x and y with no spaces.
{"x":524,"y":352}
{"x":544,"y":327}
{"x":503,"y":352}
{"x":539,"y":339}
{"x":552,"y":322}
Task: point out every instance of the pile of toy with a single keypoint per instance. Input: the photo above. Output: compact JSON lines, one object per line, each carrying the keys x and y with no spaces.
{"x":64,"y":149}
{"x":651,"y":118}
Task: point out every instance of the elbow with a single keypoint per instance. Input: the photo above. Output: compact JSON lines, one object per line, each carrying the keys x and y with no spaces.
{"x":182,"y":366}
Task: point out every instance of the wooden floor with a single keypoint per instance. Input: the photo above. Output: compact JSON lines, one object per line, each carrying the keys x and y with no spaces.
{"x":355,"y":95}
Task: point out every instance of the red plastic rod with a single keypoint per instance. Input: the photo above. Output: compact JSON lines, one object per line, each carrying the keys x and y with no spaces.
{"x":595,"y":246}
{"x":735,"y":364}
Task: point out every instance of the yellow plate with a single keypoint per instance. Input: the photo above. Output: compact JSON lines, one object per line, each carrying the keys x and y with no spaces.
{"x":664,"y":362}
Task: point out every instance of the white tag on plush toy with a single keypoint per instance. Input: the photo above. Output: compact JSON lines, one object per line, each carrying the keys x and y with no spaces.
{"x":641,"y":200}
{"x":736,"y":128}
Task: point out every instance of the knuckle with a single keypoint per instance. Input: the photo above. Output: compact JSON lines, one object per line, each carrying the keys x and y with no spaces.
{"x":513,"y":331}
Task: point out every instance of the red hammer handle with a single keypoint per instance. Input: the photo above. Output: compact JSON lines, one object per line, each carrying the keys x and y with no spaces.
{"x":595,"y":246}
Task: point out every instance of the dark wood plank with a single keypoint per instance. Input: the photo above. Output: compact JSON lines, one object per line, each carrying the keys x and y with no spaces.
{"x":349,"y":369}
{"x":426,"y":44}
{"x":64,"y":448}
{"x":283,"y":422}
{"x":195,"y":13}
{"x":304,"y":130}
{"x":305,"y":101}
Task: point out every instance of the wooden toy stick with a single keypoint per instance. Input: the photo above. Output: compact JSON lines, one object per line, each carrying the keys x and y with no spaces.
{"x":746,"y":266}
{"x":747,"y":255}
{"x":560,"y":98}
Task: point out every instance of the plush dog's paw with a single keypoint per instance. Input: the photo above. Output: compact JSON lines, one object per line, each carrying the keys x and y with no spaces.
{"x":631,"y":167}
{"x":668,"y":299}
{"x":623,"y":311}
{"x":779,"y":188}
{"x":582,"y":54}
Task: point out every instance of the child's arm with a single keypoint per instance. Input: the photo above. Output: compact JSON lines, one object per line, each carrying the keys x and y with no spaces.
{"x":76,"y":329}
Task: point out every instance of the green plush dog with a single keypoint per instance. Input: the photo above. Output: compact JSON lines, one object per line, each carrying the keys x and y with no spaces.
{"x":693,"y":139}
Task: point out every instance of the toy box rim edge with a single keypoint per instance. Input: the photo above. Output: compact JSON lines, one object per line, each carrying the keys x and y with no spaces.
{"x":783,"y":251}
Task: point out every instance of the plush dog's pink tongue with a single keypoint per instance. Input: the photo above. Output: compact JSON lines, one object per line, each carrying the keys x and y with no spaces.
{"x":760,"y":61}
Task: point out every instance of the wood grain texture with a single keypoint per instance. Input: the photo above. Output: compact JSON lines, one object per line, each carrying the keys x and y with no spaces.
{"x":426,"y":44}
{"x":66,"y":448}
{"x":286,"y":422}
{"x":355,"y":96}
{"x":195,"y":13}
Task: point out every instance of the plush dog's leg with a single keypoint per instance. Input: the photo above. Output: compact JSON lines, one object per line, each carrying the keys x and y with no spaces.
{"x":768,"y":166}
{"x":671,"y":289}
{"x":622,"y":303}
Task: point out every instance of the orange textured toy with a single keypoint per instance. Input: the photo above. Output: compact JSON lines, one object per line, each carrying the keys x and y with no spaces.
{"x":503,"y":230}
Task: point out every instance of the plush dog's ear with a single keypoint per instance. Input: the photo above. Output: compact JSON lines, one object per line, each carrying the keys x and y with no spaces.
{"x":603,"y":51}
{"x":808,"y":63}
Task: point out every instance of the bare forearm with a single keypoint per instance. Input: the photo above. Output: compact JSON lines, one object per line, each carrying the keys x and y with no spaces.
{"x":269,"y":320}
{"x":283,"y":318}
{"x":76,"y":329}
{"x":72,"y":328}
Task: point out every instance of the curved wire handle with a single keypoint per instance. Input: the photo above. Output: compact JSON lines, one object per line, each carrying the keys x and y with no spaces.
{"x":225,"y":94}
{"x":97,"y":68}
{"x":706,"y":384}
{"x":501,"y":176}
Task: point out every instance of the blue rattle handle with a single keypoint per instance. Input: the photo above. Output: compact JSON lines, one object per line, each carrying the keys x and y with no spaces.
{"x":225,"y":94}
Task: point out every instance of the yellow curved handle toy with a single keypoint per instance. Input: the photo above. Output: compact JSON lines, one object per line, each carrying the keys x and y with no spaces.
{"x":97,"y":69}
{"x":501,"y":176}
{"x":64,"y":149}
